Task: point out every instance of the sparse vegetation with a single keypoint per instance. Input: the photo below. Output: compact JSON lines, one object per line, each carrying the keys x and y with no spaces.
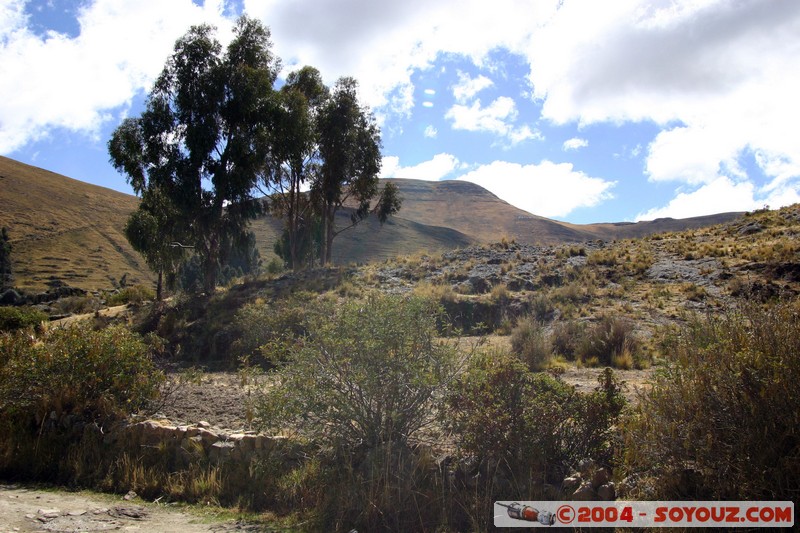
{"x":532,"y":344}
{"x":131,"y":295}
{"x":721,"y":419}
{"x":362,"y":373}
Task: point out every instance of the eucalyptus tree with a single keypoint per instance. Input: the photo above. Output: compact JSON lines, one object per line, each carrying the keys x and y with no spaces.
{"x":203,"y":138}
{"x":155,"y":230}
{"x":294,"y":160}
{"x":350,"y":153}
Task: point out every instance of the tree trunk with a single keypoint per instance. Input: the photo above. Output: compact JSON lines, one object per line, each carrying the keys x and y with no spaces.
{"x":328,"y":234}
{"x":159,"y":285}
{"x":210,"y":266}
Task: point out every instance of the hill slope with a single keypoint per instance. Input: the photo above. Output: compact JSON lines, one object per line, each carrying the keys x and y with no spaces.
{"x":66,"y":229}
{"x":476,"y":212}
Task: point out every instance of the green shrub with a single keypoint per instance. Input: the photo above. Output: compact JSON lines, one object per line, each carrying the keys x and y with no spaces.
{"x":131,"y":295}
{"x":366,"y":380}
{"x":721,"y":420}
{"x":74,"y":370}
{"x":14,"y":318}
{"x":366,"y":373}
{"x":530,"y":424}
{"x":531,"y":343}
{"x":265,"y":332}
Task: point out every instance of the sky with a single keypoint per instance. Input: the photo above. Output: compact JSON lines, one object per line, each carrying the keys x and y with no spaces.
{"x":578,"y":110}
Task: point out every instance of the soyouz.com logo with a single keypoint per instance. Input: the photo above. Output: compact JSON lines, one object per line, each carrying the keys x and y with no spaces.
{"x":644,"y":514}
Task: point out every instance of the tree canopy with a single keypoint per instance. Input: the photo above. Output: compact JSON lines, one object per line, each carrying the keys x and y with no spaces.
{"x":215,"y":130}
{"x":202,"y":140}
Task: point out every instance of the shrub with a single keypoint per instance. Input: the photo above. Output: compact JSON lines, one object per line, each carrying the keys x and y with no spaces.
{"x":530,"y":424}
{"x":76,"y":305}
{"x":530,"y":341}
{"x":266,"y":332}
{"x":366,"y":379}
{"x":14,"y":318}
{"x":131,"y":295}
{"x":720,"y":421}
{"x":74,"y":370}
{"x":608,"y":340}
{"x":542,"y":308}
{"x":367,"y":373}
{"x":566,"y":338}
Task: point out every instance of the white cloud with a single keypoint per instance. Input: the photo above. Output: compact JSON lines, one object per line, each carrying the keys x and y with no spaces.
{"x":575,"y":143}
{"x":440,"y":166}
{"x":382,"y":43}
{"x":720,"y":196}
{"x":431,"y":132}
{"x":74,"y":83}
{"x":496,"y":118}
{"x":467,"y":87}
{"x":722,"y":78}
{"x":547,"y":189}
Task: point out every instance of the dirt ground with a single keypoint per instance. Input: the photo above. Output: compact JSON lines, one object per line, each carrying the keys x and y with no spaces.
{"x":221,"y":399}
{"x":30,"y":509}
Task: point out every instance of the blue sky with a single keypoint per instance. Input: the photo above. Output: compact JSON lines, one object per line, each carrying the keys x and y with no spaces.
{"x":578,"y":110}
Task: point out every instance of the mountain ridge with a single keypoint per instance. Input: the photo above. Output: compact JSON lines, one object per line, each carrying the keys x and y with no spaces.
{"x":66,"y":230}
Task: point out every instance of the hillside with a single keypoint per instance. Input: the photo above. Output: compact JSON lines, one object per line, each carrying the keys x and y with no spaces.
{"x":479,"y":214}
{"x":66,"y":229}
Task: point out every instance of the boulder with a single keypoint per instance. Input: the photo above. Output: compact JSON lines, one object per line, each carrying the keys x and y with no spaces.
{"x":584,"y":493}
{"x":571,"y":483}
{"x":607,"y":492}
{"x":11,"y":297}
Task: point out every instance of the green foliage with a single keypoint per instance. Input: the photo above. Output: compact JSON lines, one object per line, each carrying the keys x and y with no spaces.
{"x":5,"y":259}
{"x":154,"y":230}
{"x":131,"y":295}
{"x":524,"y":422}
{"x":307,"y":243}
{"x":204,"y":137}
{"x":350,"y":151}
{"x":720,"y":421}
{"x":530,"y":341}
{"x":74,"y":370}
{"x":267,"y":332}
{"x":14,"y":318}
{"x":368,"y":373}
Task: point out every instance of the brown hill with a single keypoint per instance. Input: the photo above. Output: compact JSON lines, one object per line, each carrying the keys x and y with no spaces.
{"x":65,"y":229}
{"x":476,"y":212}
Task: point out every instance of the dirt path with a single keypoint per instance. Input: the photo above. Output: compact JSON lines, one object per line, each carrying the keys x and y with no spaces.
{"x":28,"y":509}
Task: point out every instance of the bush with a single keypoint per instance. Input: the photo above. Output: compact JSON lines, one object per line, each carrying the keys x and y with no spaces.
{"x":500,"y":410}
{"x":530,"y":341}
{"x":720,"y":421}
{"x":361,"y":386}
{"x":367,"y":373}
{"x":131,"y":295}
{"x":266,"y":332}
{"x":93,"y":374}
{"x":14,"y":318}
{"x":609,"y":342}
{"x":566,"y":338}
{"x":542,"y":308}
